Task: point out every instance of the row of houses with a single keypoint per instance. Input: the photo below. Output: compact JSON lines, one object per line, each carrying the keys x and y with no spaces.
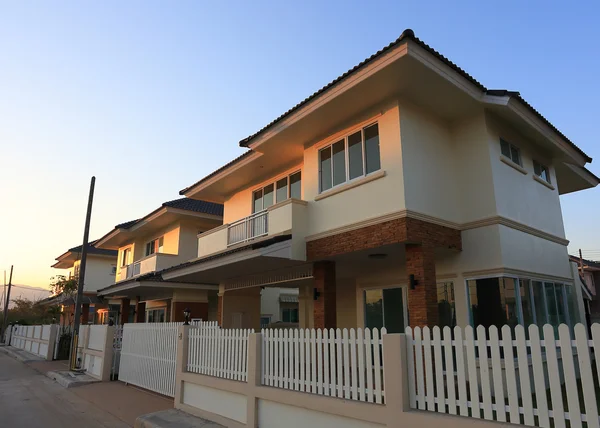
{"x":403,"y":193}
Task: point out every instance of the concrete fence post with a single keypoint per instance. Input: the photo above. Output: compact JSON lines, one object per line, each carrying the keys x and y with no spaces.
{"x":395,"y":377}
{"x":109,"y":335}
{"x":183,"y":340}
{"x":254,"y":378}
{"x":51,"y":341}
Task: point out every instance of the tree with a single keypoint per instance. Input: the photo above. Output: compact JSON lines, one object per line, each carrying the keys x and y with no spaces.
{"x":61,"y":285}
{"x":27,"y":312}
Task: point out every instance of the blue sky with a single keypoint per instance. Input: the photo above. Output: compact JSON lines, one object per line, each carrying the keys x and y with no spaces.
{"x":150,"y":96}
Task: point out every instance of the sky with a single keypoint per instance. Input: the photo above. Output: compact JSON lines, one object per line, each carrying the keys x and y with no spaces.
{"x":150,"y":96}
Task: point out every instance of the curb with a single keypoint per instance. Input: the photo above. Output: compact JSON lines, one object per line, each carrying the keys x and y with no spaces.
{"x":173,"y":418}
{"x":68,"y":381}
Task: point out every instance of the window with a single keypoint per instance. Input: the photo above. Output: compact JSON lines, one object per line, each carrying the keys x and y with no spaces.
{"x":155,"y":315}
{"x":446,"y":309}
{"x":385,"y":308}
{"x":289,"y":315}
{"x":541,"y":171}
{"x":512,"y":301}
{"x":265,"y":321}
{"x":76,"y":272}
{"x":155,"y":246}
{"x":285,"y":188}
{"x":125,"y":257}
{"x":351,"y":157}
{"x":113,"y":270}
{"x":510,"y":151}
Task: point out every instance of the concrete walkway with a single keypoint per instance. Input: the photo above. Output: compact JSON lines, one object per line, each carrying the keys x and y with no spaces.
{"x":29,"y":399}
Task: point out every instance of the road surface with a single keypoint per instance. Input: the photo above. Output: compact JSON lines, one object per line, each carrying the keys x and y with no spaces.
{"x":29,"y":399}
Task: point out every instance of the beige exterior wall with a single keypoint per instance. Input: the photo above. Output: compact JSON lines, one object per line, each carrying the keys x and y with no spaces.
{"x":270,"y":304}
{"x":98,"y":272}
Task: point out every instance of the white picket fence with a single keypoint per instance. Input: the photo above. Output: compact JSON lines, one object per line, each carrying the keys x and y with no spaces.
{"x":149,"y":356}
{"x":506,"y":377}
{"x":218,"y":352}
{"x":336,"y":363}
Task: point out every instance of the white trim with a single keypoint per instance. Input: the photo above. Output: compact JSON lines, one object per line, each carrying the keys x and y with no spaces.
{"x":543,"y":182}
{"x":359,"y":181}
{"x":512,"y":164}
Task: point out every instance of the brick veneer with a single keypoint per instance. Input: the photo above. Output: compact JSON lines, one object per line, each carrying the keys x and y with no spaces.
{"x":325,"y":305}
{"x":420,"y":239}
{"x":197,"y":309}
{"x":401,"y":230}
{"x":220,"y":310}
{"x":125,"y":310}
{"x":140,"y":312}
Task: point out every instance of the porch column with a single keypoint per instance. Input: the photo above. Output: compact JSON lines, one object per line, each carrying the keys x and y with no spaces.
{"x":85,"y":313}
{"x":140,"y":312}
{"x":124,"y":310}
{"x":422,"y":301}
{"x":220,"y":309}
{"x":325,"y":304}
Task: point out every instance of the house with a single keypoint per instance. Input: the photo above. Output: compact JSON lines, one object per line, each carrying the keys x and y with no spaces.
{"x":402,"y":193}
{"x":101,"y":265}
{"x":589,"y":272}
{"x":163,"y":238}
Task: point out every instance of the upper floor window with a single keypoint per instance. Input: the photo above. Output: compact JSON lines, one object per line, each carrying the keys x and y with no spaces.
{"x":351,"y":157}
{"x":125,"y":256}
{"x":541,"y":171}
{"x":511,"y":151}
{"x":155,"y":246}
{"x":284,"y":188}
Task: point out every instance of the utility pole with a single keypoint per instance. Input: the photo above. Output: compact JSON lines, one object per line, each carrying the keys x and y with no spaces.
{"x":581,"y":263}
{"x":6,"y":304}
{"x":80,"y":280}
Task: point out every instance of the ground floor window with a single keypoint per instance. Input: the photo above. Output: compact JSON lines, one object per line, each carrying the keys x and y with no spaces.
{"x":290,"y":315}
{"x":265,"y":320}
{"x":156,"y":315}
{"x":446,"y":307}
{"x":384,"y":307}
{"x":506,"y":300}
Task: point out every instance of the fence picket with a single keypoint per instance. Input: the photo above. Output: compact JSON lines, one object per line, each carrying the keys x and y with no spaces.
{"x":461,"y":377}
{"x":313,"y":361}
{"x":497,"y":374}
{"x":340,"y":365}
{"x":410,"y":361}
{"x":428,"y":369}
{"x":286,"y":362}
{"x":420,"y":368}
{"x":449,"y":361}
{"x":320,"y":362}
{"x":587,"y":379}
{"x":511,"y":381}
{"x":302,"y":362}
{"x":566,"y":352}
{"x":439,"y":370}
{"x":558,"y":413}
{"x":369,"y":364}
{"x":353,"y":365}
{"x":377,"y":371}
{"x":486,"y":391}
{"x":360,"y":348}
{"x":538,"y":376}
{"x":332,"y":368}
{"x":472,"y":370}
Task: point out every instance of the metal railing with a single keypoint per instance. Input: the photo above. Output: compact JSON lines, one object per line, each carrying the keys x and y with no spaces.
{"x":133,"y":269}
{"x":248,"y":228}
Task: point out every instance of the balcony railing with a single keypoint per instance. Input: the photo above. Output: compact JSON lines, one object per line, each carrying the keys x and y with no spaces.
{"x":134,"y":269}
{"x":248,"y":228}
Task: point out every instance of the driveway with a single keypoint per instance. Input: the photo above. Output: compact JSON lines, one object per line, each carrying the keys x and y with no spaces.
{"x":29,"y":399}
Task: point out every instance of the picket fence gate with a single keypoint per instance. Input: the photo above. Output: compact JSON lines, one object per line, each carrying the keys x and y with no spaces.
{"x":218,"y":352}
{"x":335,"y":363}
{"x":507,"y":376}
{"x":149,"y":356}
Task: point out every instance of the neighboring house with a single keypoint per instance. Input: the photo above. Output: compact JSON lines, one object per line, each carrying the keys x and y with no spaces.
{"x":166,"y":237}
{"x":279,"y":306}
{"x":402,"y":193}
{"x":589,"y":272}
{"x":101,"y":266}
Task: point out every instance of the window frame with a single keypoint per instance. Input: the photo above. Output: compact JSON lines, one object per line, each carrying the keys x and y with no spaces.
{"x":345,"y":138}
{"x":157,"y":247}
{"x":543,"y":167}
{"x":511,"y":146}
{"x":274,"y":184}
{"x":125,"y":256}
{"x":363,"y":300}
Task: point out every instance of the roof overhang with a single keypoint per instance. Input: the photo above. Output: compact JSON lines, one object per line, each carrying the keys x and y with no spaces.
{"x":153,"y":289}
{"x":409,"y":72}
{"x":68,"y":259}
{"x":154,"y":221}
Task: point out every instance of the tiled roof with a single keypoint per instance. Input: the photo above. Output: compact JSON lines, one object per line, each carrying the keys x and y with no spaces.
{"x":406,"y":35}
{"x":188,"y":204}
{"x":212,"y":174}
{"x":590,"y":263}
{"x":126,"y":225}
{"x":93,"y":250}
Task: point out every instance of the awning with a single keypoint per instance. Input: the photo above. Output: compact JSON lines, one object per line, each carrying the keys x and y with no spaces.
{"x":288,"y":298}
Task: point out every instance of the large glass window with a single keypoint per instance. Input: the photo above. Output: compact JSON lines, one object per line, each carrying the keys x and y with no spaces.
{"x":290,"y":315}
{"x":155,"y":315}
{"x":282,"y":189}
{"x":385,"y":308}
{"x":446,"y":309}
{"x":512,"y":301}
{"x":511,"y":151}
{"x":155,"y":246}
{"x":349,"y":158}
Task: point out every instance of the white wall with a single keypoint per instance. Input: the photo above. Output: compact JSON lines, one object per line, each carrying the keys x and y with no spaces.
{"x":98,"y":272}
{"x":269,"y":301}
{"x":220,"y":402}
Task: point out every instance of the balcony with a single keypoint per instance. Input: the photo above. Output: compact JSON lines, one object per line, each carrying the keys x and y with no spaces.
{"x":288,"y":217}
{"x":151,"y":263}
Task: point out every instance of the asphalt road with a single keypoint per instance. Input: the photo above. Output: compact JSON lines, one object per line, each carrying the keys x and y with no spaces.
{"x":29,"y":399}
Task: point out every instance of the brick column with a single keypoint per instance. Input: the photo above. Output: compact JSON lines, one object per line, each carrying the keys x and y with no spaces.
{"x":140,"y":312}
{"x":197,"y":310}
{"x":325,"y":305}
{"x":422,"y":301}
{"x":220,"y":310}
{"x":124,"y":310}
{"x":85,"y":313}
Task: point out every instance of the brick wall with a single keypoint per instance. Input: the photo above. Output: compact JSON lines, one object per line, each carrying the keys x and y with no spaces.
{"x":324,"y":309}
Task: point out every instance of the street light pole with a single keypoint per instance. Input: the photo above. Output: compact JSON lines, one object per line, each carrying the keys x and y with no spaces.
{"x":81,"y":279}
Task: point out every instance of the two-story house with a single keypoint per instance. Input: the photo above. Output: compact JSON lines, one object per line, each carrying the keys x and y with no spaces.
{"x":101,"y":266}
{"x":402,"y":193}
{"x":166,"y":237}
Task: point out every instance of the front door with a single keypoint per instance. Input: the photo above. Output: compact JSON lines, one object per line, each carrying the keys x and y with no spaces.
{"x":385,"y":307}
